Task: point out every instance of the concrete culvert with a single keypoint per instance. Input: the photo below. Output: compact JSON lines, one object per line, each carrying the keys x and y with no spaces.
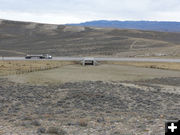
{"x":89,"y":61}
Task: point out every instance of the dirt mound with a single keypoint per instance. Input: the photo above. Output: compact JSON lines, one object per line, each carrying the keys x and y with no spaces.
{"x":73,"y":29}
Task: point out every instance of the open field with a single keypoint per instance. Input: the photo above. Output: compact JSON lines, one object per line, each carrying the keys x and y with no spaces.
{"x":155,"y":65}
{"x":52,"y":72}
{"x":105,"y":72}
{"x":69,"y":99}
{"x":21,"y":67}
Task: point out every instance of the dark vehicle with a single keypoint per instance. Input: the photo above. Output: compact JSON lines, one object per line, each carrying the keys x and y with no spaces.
{"x":46,"y":56}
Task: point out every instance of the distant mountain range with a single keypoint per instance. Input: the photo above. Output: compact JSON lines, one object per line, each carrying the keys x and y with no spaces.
{"x":163,"y":26}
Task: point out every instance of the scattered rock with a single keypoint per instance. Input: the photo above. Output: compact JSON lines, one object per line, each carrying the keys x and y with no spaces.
{"x":26,"y":124}
{"x":35,"y":123}
{"x":41,"y":130}
{"x":101,"y":119}
{"x":82,"y":101}
{"x":27,"y":118}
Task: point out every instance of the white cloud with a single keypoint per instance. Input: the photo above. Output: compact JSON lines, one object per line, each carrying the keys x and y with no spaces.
{"x":52,"y":18}
{"x":74,"y":11}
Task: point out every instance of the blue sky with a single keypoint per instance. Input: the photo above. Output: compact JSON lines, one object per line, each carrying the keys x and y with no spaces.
{"x":75,"y":11}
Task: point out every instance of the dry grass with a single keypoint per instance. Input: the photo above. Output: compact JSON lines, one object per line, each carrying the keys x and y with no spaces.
{"x":83,"y":122}
{"x":103,"y":72}
{"x":20,"y":67}
{"x":156,"y":65}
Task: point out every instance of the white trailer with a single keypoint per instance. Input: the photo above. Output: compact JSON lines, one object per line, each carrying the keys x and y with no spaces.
{"x":41,"y":56}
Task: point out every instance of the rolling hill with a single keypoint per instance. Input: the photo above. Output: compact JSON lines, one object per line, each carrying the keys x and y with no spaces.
{"x":163,"y":26}
{"x":21,"y":38}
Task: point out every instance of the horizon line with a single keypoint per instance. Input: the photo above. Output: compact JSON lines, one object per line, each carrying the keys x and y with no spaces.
{"x":110,"y":20}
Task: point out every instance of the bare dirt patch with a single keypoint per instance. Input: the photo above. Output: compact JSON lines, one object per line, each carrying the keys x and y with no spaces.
{"x":173,"y":81}
{"x":73,"y":29}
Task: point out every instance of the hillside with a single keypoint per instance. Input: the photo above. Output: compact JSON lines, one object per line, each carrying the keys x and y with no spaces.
{"x":20,"y":38}
{"x":140,"y":25}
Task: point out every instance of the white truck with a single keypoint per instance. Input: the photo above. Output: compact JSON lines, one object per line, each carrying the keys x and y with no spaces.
{"x":41,"y":56}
